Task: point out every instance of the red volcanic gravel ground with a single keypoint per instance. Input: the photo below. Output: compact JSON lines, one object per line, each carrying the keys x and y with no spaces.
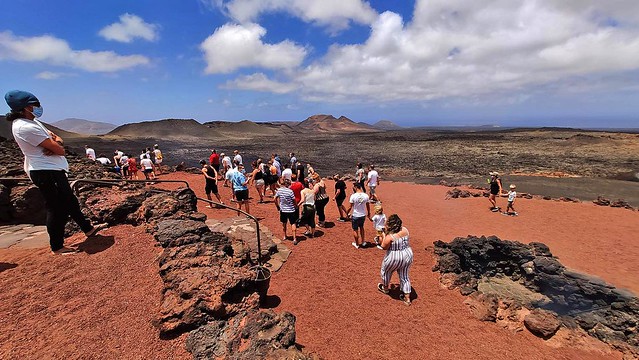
{"x":331,"y":286}
{"x":100,"y":303}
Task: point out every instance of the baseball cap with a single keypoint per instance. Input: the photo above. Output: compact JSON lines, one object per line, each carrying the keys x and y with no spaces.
{"x":18,"y":99}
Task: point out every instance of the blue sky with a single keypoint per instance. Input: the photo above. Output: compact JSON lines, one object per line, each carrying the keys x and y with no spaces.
{"x":437,"y":62}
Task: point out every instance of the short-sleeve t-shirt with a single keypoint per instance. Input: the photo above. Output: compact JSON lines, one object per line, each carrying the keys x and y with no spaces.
{"x":238,"y":159}
{"x":512,"y":195}
{"x":90,"y":153}
{"x":297,"y":188}
{"x":341,"y":186}
{"x":359,"y":175}
{"x":230,"y":173}
{"x":287,"y":199}
{"x":214,"y":159}
{"x":287,"y":173}
{"x":359,"y":201}
{"x":29,"y":134}
{"x":238,"y":180}
{"x":278,"y":167}
{"x":146,"y":163}
{"x":379,"y":221}
{"x":372,"y":178}
{"x":158,"y":154}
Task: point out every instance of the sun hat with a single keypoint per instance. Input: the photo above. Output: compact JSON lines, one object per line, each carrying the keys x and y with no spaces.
{"x":495,"y":173}
{"x":18,"y":99}
{"x":512,"y":186}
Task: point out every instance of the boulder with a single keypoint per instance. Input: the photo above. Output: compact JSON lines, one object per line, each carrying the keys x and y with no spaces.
{"x":27,"y":205}
{"x":483,"y":307}
{"x":542,"y":323}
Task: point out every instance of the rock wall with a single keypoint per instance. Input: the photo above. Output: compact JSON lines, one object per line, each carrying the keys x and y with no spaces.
{"x":210,"y":286}
{"x":495,"y":272}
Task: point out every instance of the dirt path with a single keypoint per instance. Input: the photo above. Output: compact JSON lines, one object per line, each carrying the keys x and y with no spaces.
{"x":330,"y":286}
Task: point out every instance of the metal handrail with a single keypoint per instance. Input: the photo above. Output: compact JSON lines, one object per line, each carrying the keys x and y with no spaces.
{"x":110,"y":182}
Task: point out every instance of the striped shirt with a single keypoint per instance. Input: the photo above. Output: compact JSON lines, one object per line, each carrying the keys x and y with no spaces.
{"x":287,"y":199}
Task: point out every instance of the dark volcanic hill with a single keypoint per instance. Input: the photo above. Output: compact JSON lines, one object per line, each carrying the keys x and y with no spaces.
{"x":176,"y":129}
{"x":245,"y":128}
{"x":329,"y":124}
{"x":387,"y":125}
{"x":82,"y":126}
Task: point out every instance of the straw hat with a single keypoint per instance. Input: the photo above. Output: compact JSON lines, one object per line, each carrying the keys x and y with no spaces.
{"x":512,"y":186}
{"x":493,"y":173}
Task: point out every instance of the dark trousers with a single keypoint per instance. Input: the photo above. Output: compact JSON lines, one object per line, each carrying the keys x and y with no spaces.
{"x":60,"y":204}
{"x":320,"y":205}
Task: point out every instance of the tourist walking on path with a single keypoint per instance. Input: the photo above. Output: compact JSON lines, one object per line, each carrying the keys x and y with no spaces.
{"x":321,"y":198}
{"x":210,"y":176}
{"x":237,"y":158}
{"x":240,"y":188}
{"x":372,"y":181}
{"x":158,"y":158}
{"x":47,"y":167}
{"x":147,"y":167}
{"x":257,"y":179}
{"x":361,"y":210}
{"x":360,"y":175}
{"x":285,"y":204}
{"x":133,"y":168}
{"x":512,"y":195}
{"x":214,"y":160}
{"x":399,"y":257}
{"x":495,"y":190}
{"x":340,"y":196}
{"x":379,"y":222}
{"x":307,"y":206}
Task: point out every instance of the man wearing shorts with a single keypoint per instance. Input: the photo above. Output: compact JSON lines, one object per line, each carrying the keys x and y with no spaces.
{"x":361,"y":211}
{"x":211,"y":182}
{"x":372,"y":181}
{"x":240,"y":189}
{"x":285,"y":203}
{"x":158,"y":158}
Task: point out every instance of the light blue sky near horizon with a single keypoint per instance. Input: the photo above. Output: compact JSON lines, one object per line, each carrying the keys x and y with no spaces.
{"x":416,"y":63}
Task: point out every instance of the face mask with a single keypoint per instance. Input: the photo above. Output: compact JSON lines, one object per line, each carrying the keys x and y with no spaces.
{"x":37,"y":111}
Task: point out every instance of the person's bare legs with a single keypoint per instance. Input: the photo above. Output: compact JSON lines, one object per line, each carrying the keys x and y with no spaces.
{"x":361,"y":231}
{"x":285,"y":232}
{"x":294,"y":227}
{"x":356,"y":237}
{"x":491,"y":198}
{"x":246,"y":205}
{"x":219,"y":199}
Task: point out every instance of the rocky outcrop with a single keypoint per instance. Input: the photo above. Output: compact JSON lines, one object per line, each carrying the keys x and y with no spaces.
{"x":619,"y":203}
{"x":530,"y":277}
{"x":234,"y":339}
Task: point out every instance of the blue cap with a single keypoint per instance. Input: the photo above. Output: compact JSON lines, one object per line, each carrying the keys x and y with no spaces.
{"x":18,"y":99}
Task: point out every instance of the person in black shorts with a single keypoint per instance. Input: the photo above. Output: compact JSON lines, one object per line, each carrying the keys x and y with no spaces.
{"x":495,"y":190}
{"x":211,"y":182}
{"x":340,"y":196}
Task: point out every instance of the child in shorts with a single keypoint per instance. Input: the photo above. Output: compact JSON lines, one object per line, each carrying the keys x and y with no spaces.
{"x":379,"y":221}
{"x":512,"y":195}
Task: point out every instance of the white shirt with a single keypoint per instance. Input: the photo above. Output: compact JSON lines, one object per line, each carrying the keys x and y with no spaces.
{"x":146,"y":163}
{"x":278,"y":167}
{"x":226,"y":161}
{"x":90,"y":153}
{"x":512,"y":195}
{"x":29,"y":134}
{"x":103,"y":160}
{"x":287,"y":173}
{"x":379,"y":221}
{"x":359,"y":201}
{"x":230,"y":173}
{"x":124,"y":160}
{"x":158,"y":154}
{"x":372,"y":178}
{"x":238,"y":159}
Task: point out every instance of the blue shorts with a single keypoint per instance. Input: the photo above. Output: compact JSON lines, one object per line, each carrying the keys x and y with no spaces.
{"x":358,"y":222}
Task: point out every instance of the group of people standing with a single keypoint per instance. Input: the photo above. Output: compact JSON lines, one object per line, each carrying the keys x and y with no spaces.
{"x":300,"y":197}
{"x":127,"y":166}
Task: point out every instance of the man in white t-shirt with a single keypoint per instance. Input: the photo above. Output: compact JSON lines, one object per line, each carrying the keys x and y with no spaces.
{"x":46,"y":166}
{"x":90,"y":152}
{"x":361,"y":211}
{"x":372,"y":181}
{"x":237,"y":159}
{"x":287,"y":173}
{"x":103,"y":160}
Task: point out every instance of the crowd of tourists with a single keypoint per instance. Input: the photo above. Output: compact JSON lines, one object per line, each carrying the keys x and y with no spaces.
{"x":128,"y":166}
{"x":300,"y":196}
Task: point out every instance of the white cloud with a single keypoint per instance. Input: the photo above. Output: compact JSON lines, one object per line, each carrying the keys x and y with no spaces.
{"x":54,"y":51}
{"x":50,"y":75}
{"x":235,"y":46}
{"x":260,"y":82}
{"x":334,"y":13}
{"x":478,"y":49}
{"x":129,"y":28}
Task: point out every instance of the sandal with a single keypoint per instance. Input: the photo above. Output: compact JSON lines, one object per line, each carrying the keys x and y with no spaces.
{"x":405,"y":299}
{"x":380,"y":288}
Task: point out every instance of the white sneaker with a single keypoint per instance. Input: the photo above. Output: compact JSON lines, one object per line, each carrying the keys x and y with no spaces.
{"x":380,"y":247}
{"x":355,"y":245}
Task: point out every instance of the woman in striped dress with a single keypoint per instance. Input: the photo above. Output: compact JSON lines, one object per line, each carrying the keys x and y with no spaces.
{"x":399,"y":257}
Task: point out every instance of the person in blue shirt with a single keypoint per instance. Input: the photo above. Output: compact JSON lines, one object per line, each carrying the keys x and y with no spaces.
{"x":240,"y":188}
